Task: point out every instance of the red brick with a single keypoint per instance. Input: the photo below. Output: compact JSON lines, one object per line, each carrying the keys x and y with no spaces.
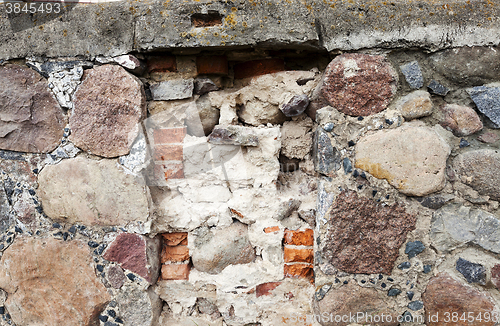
{"x":299,"y":271}
{"x":169,"y":135}
{"x":176,"y":254}
{"x":175,"y":238}
{"x":175,"y":272}
{"x":168,"y":170}
{"x":271,"y":229}
{"x":299,"y":238}
{"x":266,"y":288}
{"x":258,"y":67}
{"x":168,"y":153}
{"x":162,"y":63}
{"x":212,"y":65}
{"x":293,"y":255}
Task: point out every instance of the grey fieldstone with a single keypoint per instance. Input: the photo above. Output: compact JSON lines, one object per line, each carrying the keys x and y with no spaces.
{"x":233,"y":135}
{"x":229,"y":246}
{"x":204,"y":85}
{"x":416,"y":305}
{"x":131,"y":63}
{"x":437,"y":88}
{"x":139,"y":308}
{"x":176,"y":89}
{"x":286,"y":208}
{"x":473,"y":273}
{"x":487,"y":100}
{"x":435,"y":202}
{"x":480,"y":169}
{"x":296,"y":106}
{"x":393,"y":292}
{"x":346,"y":164}
{"x":413,"y":74}
{"x":326,"y":158}
{"x":454,"y":225}
{"x":414,"y":248}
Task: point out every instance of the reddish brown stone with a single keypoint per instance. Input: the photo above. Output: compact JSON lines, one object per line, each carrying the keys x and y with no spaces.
{"x":116,"y":276}
{"x":162,"y":63}
{"x":272,"y":229}
{"x":266,"y":288}
{"x":135,"y":253}
{"x":108,"y":107}
{"x":461,"y":120}
{"x":30,"y":117}
{"x":51,"y":282}
{"x":175,"y":272}
{"x":175,"y":238}
{"x":495,"y":276}
{"x":488,"y":137}
{"x":444,"y":294}
{"x":299,"y":271}
{"x":299,"y":238}
{"x":298,"y":255}
{"x":169,"y":135}
{"x":359,"y":84}
{"x":351,"y":300}
{"x":212,"y":65}
{"x":258,"y":67}
{"x":363,"y":236}
{"x":168,"y":153}
{"x":175,"y":254}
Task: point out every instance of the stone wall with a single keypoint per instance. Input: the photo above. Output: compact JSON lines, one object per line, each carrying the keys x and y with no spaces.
{"x":284,"y":177}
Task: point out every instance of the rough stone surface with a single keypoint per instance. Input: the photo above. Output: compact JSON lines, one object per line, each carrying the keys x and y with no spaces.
{"x":435,"y":202}
{"x":108,"y":106}
{"x":296,"y":106}
{"x":92,"y":192}
{"x":488,"y":137}
{"x":359,"y":84}
{"x":468,"y":66}
{"x":136,"y":253}
{"x":453,"y":226}
{"x":461,"y":120}
{"x":326,"y":157}
{"x":115,"y":276}
{"x":444,"y":294}
{"x":139,"y":308}
{"x":480,"y":169}
{"x":411,"y":158}
{"x":415,"y":105}
{"x":296,"y":141}
{"x":414,"y":248}
{"x":487,"y":100}
{"x":437,"y":88}
{"x":226,"y":247}
{"x":177,"y":89}
{"x":495,"y":275}
{"x":384,"y":229}
{"x":349,"y":300}
{"x":473,"y":273}
{"x":233,"y":135}
{"x":57,"y":273}
{"x":413,"y":74}
{"x":30,"y":117}
{"x":204,"y":85}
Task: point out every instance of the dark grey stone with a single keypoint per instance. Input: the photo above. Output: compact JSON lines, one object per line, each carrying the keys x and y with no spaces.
{"x":416,"y":305}
{"x":413,"y":74}
{"x":407,"y":317}
{"x":204,"y":85}
{"x":410,"y":295}
{"x":473,"y":273}
{"x":296,"y":106}
{"x":438,"y":89}
{"x":414,"y":248}
{"x":393,"y":292}
{"x":233,"y":135}
{"x":427,"y":269}
{"x":435,"y":202}
{"x":463,"y":143}
{"x":346,"y":163}
{"x":320,"y":294}
{"x":326,"y":157}
{"x":487,"y":100}
{"x":404,"y":265}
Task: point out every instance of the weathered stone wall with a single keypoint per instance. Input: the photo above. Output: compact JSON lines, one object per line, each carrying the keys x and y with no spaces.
{"x":250,"y":163}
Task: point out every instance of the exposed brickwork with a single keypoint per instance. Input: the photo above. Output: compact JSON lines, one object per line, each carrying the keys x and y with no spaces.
{"x":299,"y":271}
{"x":174,"y":254}
{"x":169,"y":135}
{"x":175,"y":238}
{"x":272,"y":229}
{"x":258,"y":67}
{"x":212,"y":65}
{"x":299,"y":255}
{"x":162,"y":63}
{"x":168,"y":153}
{"x":299,"y":238}
{"x":175,"y":272}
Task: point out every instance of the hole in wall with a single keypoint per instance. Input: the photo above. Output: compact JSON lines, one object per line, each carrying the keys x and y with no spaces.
{"x":212,"y":18}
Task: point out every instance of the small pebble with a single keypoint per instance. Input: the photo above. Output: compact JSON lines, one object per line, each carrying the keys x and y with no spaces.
{"x":18,"y":229}
{"x":103,"y":318}
{"x":65,"y":236}
{"x":2,"y":310}
{"x":416,"y":305}
{"x":119,"y":320}
{"x":56,"y":225}
{"x":93,"y":244}
{"x":390,"y":279}
{"x":72,"y":229}
{"x":393,"y":292}
{"x":31,"y":192}
{"x":355,"y":173}
{"x":35,"y":171}
{"x":410,"y":295}
{"x":404,"y":265}
{"x":363,"y":281}
{"x":427,"y":268}
{"x":389,"y":122}
{"x":132,"y":276}
{"x":110,"y":324}
{"x":463,"y":143}
{"x":374,"y":192}
{"x":100,"y":268}
{"x":360,"y":187}
{"x":346,"y":282}
{"x":363,"y":175}
{"x":380,"y":276}
{"x":39,"y":209}
{"x":337,"y":280}
{"x":407,"y":317}
{"x":328,"y":127}
{"x":351,"y":143}
{"x":112,"y":304}
{"x":360,"y":118}
{"x":111,"y":313}
{"x":383,"y":285}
